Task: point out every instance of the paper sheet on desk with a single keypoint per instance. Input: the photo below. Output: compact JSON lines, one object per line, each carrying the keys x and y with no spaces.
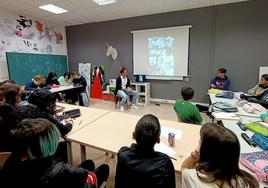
{"x":163,"y":148}
{"x":166,"y":130}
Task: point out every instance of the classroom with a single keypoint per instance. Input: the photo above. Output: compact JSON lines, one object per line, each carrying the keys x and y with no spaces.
{"x":134,"y":93}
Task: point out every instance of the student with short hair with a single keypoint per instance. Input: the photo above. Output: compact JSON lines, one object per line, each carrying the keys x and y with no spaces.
{"x":37,"y":82}
{"x":10,"y":94}
{"x":139,"y":166}
{"x":32,"y":164}
{"x":124,"y":90}
{"x":221,"y":81}
{"x":215,"y":162}
{"x":261,"y":87}
{"x":186,"y":111}
{"x":78,"y":79}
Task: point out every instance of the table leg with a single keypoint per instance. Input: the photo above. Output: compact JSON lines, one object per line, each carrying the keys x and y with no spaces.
{"x":83,"y":153}
{"x":69,"y":152}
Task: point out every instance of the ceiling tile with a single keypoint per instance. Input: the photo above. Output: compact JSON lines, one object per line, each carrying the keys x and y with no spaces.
{"x":82,"y":11}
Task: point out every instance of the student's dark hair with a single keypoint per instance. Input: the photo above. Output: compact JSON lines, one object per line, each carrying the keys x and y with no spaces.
{"x":122,"y":70}
{"x":147,"y":132}
{"x":265,"y":77}
{"x":187,"y":93}
{"x":44,"y":100}
{"x":9,"y":93}
{"x":6,"y":115}
{"x":36,"y":138}
{"x":219,"y":157}
{"x":222,"y":70}
{"x":67,"y":74}
{"x":51,"y":75}
{"x":9,"y":81}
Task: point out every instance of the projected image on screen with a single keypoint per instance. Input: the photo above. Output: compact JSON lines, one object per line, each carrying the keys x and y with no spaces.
{"x":161,"y":59}
{"x":161,"y":53}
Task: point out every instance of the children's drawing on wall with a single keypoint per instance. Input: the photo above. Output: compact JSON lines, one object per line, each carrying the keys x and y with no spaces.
{"x":19,"y":33}
{"x":59,"y":37}
{"x":2,"y":48}
{"x":39,"y":26}
{"x":49,"y":49}
{"x":7,"y":27}
{"x":23,"y":28}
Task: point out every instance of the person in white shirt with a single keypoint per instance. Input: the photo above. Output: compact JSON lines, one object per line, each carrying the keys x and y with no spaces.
{"x":123,"y":89}
{"x":215,"y":162}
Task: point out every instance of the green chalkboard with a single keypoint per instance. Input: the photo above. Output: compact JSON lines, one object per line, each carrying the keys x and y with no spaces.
{"x":22,"y":67}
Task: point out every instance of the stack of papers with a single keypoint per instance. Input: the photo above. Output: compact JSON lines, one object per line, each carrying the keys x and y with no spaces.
{"x":163,"y":148}
{"x":225,"y":116}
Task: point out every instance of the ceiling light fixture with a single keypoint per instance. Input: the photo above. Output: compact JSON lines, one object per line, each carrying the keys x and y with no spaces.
{"x":53,"y":8}
{"x":104,"y":2}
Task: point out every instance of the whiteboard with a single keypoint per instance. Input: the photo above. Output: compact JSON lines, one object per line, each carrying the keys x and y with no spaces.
{"x":263,"y":70}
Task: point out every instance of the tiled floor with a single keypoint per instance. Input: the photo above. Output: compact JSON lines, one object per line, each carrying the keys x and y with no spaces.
{"x":162,"y":111}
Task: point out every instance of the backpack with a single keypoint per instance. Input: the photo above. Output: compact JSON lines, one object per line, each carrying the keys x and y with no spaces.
{"x":91,"y":180}
{"x":257,"y":162}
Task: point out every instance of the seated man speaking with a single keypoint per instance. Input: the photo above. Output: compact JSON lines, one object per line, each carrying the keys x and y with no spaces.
{"x":123,"y":89}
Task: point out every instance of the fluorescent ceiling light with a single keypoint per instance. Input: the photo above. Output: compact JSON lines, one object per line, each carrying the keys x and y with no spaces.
{"x":104,"y":2}
{"x":53,"y":8}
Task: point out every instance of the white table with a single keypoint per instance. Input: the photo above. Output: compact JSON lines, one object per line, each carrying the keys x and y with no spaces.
{"x":88,"y":115}
{"x":241,"y":111}
{"x":63,"y":88}
{"x":114,"y":130}
{"x":245,"y":118}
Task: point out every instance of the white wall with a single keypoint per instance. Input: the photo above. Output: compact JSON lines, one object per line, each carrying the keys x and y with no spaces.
{"x":29,"y":35}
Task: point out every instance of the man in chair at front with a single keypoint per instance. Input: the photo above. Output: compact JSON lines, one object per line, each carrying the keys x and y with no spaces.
{"x":123,"y":89}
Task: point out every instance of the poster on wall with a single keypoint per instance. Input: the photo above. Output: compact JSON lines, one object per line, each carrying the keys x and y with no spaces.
{"x":19,"y":33}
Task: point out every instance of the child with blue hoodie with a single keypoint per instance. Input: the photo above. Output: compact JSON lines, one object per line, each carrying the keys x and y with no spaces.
{"x":221,"y":81}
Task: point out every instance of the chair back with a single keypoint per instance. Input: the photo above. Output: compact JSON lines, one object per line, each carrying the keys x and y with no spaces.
{"x":3,"y":157}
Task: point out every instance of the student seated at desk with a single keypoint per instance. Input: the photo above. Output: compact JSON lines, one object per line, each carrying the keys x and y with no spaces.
{"x":32,"y":164}
{"x":261,"y":99}
{"x":185,"y":110}
{"x":65,"y":79}
{"x":215,"y":162}
{"x":45,"y":101}
{"x":37,"y":82}
{"x":52,"y":80}
{"x":78,"y":80}
{"x":123,"y":89}
{"x":6,"y":117}
{"x":221,"y":81}
{"x":261,"y":87}
{"x":10,"y":94}
{"x":139,"y":166}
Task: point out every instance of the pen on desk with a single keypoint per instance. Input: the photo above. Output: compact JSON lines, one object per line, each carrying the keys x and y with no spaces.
{"x":173,"y":158}
{"x":79,"y":123}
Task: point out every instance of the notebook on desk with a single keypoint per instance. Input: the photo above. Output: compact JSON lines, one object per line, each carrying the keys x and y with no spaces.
{"x":225,"y":116}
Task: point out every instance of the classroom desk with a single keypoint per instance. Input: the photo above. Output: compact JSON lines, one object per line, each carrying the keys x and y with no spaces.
{"x":114,"y":130}
{"x":88,"y":115}
{"x":245,"y":118}
{"x":63,"y":88}
{"x":241,"y":111}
